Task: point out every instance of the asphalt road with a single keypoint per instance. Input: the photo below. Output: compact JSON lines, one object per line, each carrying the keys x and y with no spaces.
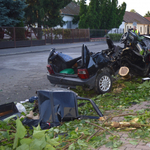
{"x":23,"y":70}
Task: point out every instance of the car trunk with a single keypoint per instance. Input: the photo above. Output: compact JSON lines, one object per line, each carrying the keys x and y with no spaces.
{"x":62,"y":67}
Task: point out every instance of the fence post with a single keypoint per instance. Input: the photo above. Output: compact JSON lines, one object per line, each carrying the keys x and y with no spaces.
{"x":51,"y":36}
{"x":14,"y":37}
{"x":45,"y":36}
{"x":89,"y":33}
{"x":85,"y":35}
{"x":31,"y":36}
{"x":72,"y":35}
{"x":63,"y":35}
{"x":79,"y":34}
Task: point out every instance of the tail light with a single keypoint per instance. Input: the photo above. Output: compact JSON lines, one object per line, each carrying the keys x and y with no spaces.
{"x":83,"y":73}
{"x":50,"y":69}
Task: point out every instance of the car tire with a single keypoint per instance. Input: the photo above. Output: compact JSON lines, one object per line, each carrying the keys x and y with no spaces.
{"x":103,"y":83}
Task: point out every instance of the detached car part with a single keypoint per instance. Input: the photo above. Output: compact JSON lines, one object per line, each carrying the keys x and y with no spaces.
{"x":58,"y":106}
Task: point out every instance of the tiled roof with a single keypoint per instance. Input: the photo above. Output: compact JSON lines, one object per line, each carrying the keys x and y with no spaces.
{"x":131,"y":17}
{"x":148,"y":18}
{"x":71,"y":9}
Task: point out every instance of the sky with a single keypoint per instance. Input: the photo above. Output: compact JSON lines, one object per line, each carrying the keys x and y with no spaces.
{"x":140,"y":6}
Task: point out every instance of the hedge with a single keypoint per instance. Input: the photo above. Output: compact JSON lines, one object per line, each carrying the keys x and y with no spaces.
{"x":115,"y":36}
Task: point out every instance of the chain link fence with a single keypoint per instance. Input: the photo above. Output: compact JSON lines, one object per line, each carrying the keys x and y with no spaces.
{"x":99,"y":33}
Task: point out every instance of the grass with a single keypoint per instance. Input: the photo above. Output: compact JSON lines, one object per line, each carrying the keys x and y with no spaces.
{"x":85,"y":134}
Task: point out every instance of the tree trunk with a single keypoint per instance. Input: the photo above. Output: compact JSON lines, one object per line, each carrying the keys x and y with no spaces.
{"x":124,"y":72}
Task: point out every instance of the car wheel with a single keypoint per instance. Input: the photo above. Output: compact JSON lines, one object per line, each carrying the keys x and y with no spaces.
{"x":103,"y":83}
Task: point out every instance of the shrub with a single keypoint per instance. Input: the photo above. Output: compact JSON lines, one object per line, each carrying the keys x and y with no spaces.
{"x":115,"y":36}
{"x":67,"y":33}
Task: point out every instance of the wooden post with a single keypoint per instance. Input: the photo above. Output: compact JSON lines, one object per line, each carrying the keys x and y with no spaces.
{"x":79,"y":34}
{"x":89,"y":33}
{"x":72,"y":35}
{"x":14,"y":37}
{"x":63,"y":35}
{"x":85,"y":35}
{"x":31,"y":35}
{"x":51,"y":36}
{"x":45,"y":36}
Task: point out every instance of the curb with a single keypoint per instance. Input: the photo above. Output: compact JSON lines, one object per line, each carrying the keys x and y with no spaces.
{"x":38,"y":51}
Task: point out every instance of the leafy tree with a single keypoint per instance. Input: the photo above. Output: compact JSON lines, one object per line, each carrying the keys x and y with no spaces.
{"x":113,"y":14}
{"x":82,"y":14}
{"x":76,"y":1}
{"x":103,"y":14}
{"x":76,"y":19}
{"x":92,"y":16}
{"x":45,"y":12}
{"x":66,"y":2}
{"x":11,"y":12}
{"x":83,"y":7}
{"x":120,"y":14}
{"x":106,"y":14}
{"x":133,"y":10}
{"x":147,"y":14}
{"x":83,"y":11}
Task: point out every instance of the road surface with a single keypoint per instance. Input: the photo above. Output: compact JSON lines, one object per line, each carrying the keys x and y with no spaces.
{"x":22,"y":74}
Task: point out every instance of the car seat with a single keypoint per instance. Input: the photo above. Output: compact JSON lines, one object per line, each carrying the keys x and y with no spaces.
{"x":56,"y":106}
{"x":85,"y":57}
{"x":110,"y":43}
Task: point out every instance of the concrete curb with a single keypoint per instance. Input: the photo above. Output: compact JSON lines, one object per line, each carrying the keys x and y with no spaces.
{"x":42,"y":50}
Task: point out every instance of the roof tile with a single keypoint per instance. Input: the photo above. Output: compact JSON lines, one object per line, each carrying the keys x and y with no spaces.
{"x":148,"y":18}
{"x":131,"y":17}
{"x":71,"y":9}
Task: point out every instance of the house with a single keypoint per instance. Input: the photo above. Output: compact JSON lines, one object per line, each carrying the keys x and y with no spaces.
{"x":143,"y":25}
{"x":148,"y":18}
{"x":68,"y":13}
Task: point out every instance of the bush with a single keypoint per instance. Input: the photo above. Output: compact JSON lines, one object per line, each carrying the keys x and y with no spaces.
{"x":20,"y":33}
{"x":115,"y":36}
{"x":67,"y":33}
{"x":1,"y":33}
{"x":97,"y":33}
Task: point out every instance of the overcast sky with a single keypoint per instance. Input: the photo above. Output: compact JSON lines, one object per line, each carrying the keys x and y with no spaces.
{"x":140,"y":6}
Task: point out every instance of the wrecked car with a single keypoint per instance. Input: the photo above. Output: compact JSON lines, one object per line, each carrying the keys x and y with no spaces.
{"x":93,"y":70}
{"x":135,"y":54}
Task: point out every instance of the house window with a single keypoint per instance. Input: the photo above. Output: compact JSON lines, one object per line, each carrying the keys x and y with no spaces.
{"x":145,"y":30}
{"x":127,"y":28}
{"x":140,"y":29}
{"x":69,"y":23}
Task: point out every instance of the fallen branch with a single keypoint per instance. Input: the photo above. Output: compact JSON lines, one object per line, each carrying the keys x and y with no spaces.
{"x":100,"y":127}
{"x":4,"y":140}
{"x":121,"y":115}
{"x":126,"y":124}
{"x":92,"y":135}
{"x":8,"y":130}
{"x":80,"y":137}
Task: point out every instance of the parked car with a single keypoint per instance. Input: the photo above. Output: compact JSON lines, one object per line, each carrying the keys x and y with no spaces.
{"x":93,"y":70}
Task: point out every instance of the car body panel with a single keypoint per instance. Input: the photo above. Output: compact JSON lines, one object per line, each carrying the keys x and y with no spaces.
{"x":70,"y":81}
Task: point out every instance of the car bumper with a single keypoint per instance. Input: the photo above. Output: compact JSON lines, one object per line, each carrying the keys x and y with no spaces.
{"x":71,"y":81}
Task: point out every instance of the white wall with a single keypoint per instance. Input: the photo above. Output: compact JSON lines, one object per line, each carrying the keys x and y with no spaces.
{"x":141,"y":27}
{"x":68,"y":18}
{"x":118,"y":30}
{"x":122,"y":25}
